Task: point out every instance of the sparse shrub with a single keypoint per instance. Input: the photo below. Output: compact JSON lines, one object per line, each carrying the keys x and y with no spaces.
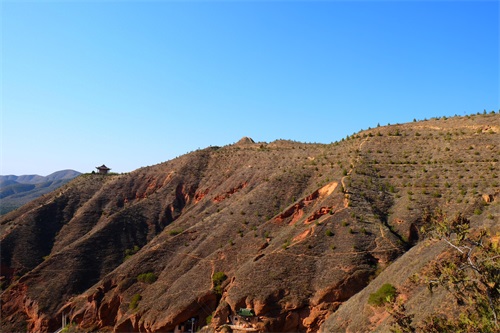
{"x":477,"y":211}
{"x":218,"y":278}
{"x":72,"y":327}
{"x":329,"y":233}
{"x":385,"y":294}
{"x":148,"y":277}
{"x":134,"y":301}
{"x":131,"y":252}
{"x":175,"y":232}
{"x":471,"y":276}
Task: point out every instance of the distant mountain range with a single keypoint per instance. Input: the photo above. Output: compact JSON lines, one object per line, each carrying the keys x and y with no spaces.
{"x":16,"y":191}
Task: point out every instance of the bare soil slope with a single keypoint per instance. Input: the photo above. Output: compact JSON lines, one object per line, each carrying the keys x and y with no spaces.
{"x":297,"y":229}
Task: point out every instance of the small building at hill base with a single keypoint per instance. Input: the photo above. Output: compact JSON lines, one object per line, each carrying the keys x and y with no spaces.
{"x":244,"y":320}
{"x":103,"y":170}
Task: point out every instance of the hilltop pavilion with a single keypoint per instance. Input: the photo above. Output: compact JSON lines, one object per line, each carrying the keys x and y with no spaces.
{"x":103,"y":170}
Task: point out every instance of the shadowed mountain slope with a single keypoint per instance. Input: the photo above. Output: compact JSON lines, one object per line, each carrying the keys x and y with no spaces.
{"x":291,"y":230}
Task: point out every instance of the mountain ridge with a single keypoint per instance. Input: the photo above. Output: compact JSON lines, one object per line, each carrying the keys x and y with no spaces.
{"x":291,"y":230}
{"x":35,"y":179}
{"x":16,"y":191}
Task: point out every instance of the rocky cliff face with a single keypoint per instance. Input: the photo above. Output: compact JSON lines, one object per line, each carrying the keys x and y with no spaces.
{"x":295,"y":230}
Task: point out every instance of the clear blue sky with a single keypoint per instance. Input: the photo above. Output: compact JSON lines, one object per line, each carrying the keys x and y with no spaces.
{"x":135,"y":83}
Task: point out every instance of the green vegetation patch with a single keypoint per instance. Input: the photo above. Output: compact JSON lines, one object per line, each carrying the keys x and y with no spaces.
{"x":175,"y":232}
{"x":385,"y":294}
{"x":149,"y":277}
{"x":130,"y":252}
{"x":134,"y":301}
{"x":218,"y":278}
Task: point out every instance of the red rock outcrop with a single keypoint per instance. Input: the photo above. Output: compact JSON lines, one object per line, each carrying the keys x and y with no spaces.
{"x":229,"y":193}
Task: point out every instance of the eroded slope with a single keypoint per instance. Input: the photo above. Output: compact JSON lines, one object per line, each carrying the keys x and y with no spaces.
{"x":296,"y":228}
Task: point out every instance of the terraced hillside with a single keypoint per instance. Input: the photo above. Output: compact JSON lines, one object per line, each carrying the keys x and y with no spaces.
{"x":296,"y":232}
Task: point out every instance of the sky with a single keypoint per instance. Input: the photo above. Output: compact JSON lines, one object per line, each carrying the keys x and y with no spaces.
{"x":135,"y":83}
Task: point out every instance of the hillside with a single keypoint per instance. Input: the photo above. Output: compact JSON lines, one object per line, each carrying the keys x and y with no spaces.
{"x":16,"y":191}
{"x":299,"y":233}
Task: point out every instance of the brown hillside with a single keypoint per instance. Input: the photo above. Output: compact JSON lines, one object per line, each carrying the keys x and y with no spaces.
{"x":297,"y":229}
